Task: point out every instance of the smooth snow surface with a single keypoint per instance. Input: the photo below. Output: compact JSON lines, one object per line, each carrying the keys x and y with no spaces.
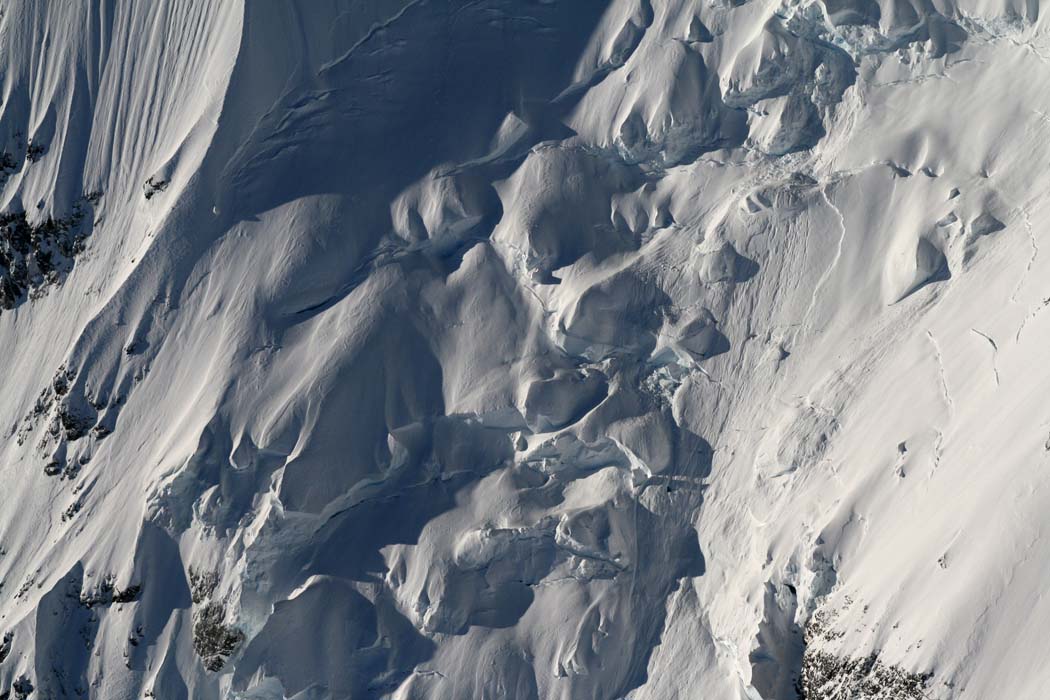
{"x":530,"y":349}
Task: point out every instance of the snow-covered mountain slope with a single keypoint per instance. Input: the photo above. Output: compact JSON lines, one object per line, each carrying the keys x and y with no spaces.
{"x":531,"y":349}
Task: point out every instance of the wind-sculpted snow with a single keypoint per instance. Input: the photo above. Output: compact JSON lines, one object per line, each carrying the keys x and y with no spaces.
{"x":511,"y":349}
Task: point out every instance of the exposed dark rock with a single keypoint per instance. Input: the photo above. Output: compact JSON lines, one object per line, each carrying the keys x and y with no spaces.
{"x":8,"y":165}
{"x":107,"y":593}
{"x":36,"y":256}
{"x":826,"y":676}
{"x":35,"y":151}
{"x":21,"y":689}
{"x":75,"y":424}
{"x":128,"y":595}
{"x":152,"y":187}
{"x":213,"y":640}
{"x":61,"y":381}
{"x":5,"y":646}
{"x":202,"y":584}
{"x":830,"y":677}
{"x":72,"y":510}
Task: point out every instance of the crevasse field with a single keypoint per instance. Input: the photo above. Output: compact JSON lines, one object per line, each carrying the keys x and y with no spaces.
{"x":524,"y":349}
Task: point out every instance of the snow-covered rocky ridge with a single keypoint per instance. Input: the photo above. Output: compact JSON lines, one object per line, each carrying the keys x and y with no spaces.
{"x":524,"y":349}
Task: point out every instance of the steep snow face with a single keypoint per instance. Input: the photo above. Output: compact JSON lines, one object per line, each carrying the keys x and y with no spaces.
{"x":518,"y":349}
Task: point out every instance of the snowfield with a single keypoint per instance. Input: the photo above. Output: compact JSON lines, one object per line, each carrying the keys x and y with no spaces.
{"x":527,"y":349}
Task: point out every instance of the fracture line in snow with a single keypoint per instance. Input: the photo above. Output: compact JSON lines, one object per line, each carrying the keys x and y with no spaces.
{"x":372,"y":31}
{"x":944,"y":378}
{"x":1036,"y":50}
{"x":1031,"y":260}
{"x":938,"y":449}
{"x":1024,"y":275}
{"x":710,"y":377}
{"x":995,"y":353}
{"x":1043,"y":116}
{"x":1031,"y":314}
{"x":834,"y":262}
